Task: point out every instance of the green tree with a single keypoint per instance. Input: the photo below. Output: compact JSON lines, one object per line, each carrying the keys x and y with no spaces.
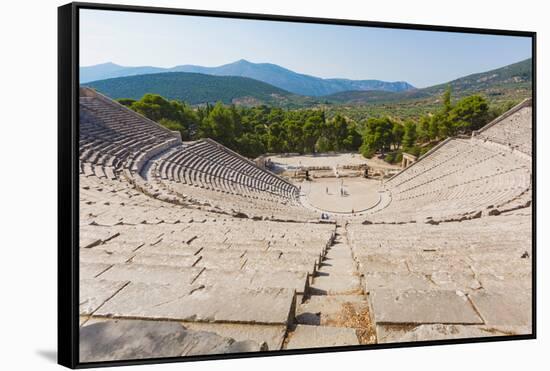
{"x":353,"y":140}
{"x":159,"y":109}
{"x":409,"y":135}
{"x":175,"y":126}
{"x":339,"y":132}
{"x":250,"y":145}
{"x":276,"y":138}
{"x":397,"y":134}
{"x":433,"y":129}
{"x":424,"y":129}
{"x":311,"y":132}
{"x":377,"y":136}
{"x":295,"y":136}
{"x":219,"y":125}
{"x":447,"y":100}
{"x":470,"y":113}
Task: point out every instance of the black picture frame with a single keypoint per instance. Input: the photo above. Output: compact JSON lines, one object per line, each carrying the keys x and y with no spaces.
{"x":68,"y":179}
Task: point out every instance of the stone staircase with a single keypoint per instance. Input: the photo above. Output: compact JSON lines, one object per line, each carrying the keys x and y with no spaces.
{"x":334,"y":311}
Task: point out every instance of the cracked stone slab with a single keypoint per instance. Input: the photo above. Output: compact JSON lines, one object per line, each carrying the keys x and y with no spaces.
{"x":170,"y":249}
{"x":105,"y":256}
{"x":201,"y":304}
{"x":504,"y":308}
{"x":161,"y":274}
{"x":397,"y":281}
{"x":511,"y":266}
{"x":272,"y":335}
{"x":504,"y":283}
{"x":297,"y":281}
{"x":91,"y":236}
{"x":305,"y":336}
{"x":165,"y":259}
{"x":138,"y":339}
{"x":400,"y":333}
{"x":120,"y":246}
{"x":381,"y":263}
{"x":426,"y":265}
{"x":95,"y":292}
{"x":416,"y":306}
{"x":91,"y":270}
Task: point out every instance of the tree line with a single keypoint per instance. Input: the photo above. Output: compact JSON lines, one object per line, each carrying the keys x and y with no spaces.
{"x":390,"y":137}
{"x":253,"y":131}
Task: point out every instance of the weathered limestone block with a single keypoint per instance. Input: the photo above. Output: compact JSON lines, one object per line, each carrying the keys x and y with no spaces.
{"x":95,"y":292}
{"x":136,"y":339}
{"x":170,"y":249}
{"x":297,"y":281}
{"x":305,"y":336}
{"x":165,"y":259}
{"x":162,"y":274}
{"x":415,"y":306}
{"x":400,"y":333}
{"x":91,"y":236}
{"x":381,"y":263}
{"x":95,"y":255}
{"x":202,"y":304}
{"x":506,"y":283}
{"x":91,"y":270}
{"x":344,"y":266}
{"x":272,"y":335}
{"x":397,"y":281}
{"x":512,"y":308}
{"x":336,"y":284}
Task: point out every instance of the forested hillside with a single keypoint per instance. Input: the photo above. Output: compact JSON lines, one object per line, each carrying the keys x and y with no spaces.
{"x":196,"y":88}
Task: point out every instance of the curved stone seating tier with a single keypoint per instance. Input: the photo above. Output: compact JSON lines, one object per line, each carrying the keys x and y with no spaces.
{"x":206,"y":173}
{"x":184,"y":166}
{"x":512,"y":129}
{"x":113,"y":138}
{"x":219,"y":159}
{"x":244,"y":202}
{"x":461,"y":177}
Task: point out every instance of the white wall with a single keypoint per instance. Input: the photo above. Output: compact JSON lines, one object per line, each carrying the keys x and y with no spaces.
{"x":28,"y":181}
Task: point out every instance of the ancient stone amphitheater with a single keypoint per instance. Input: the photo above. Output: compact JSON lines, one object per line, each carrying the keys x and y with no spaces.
{"x":188,"y":248}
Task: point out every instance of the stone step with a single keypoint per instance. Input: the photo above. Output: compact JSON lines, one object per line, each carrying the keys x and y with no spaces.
{"x":272,"y":335}
{"x":338,"y":266}
{"x":198,"y":303}
{"x":339,"y":251}
{"x":421,"y":307}
{"x":336,"y":284}
{"x":305,"y":336}
{"x":131,"y":339}
{"x":328,"y":310}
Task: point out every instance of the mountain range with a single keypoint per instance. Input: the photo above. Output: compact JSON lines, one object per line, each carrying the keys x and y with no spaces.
{"x":510,"y":82}
{"x":269,"y":73}
{"x":198,"y":88}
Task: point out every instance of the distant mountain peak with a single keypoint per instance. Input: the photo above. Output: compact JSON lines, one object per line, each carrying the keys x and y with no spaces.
{"x":269,"y":73}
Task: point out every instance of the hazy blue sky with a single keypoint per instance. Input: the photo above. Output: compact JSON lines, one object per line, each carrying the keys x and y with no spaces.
{"x":421,"y":58}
